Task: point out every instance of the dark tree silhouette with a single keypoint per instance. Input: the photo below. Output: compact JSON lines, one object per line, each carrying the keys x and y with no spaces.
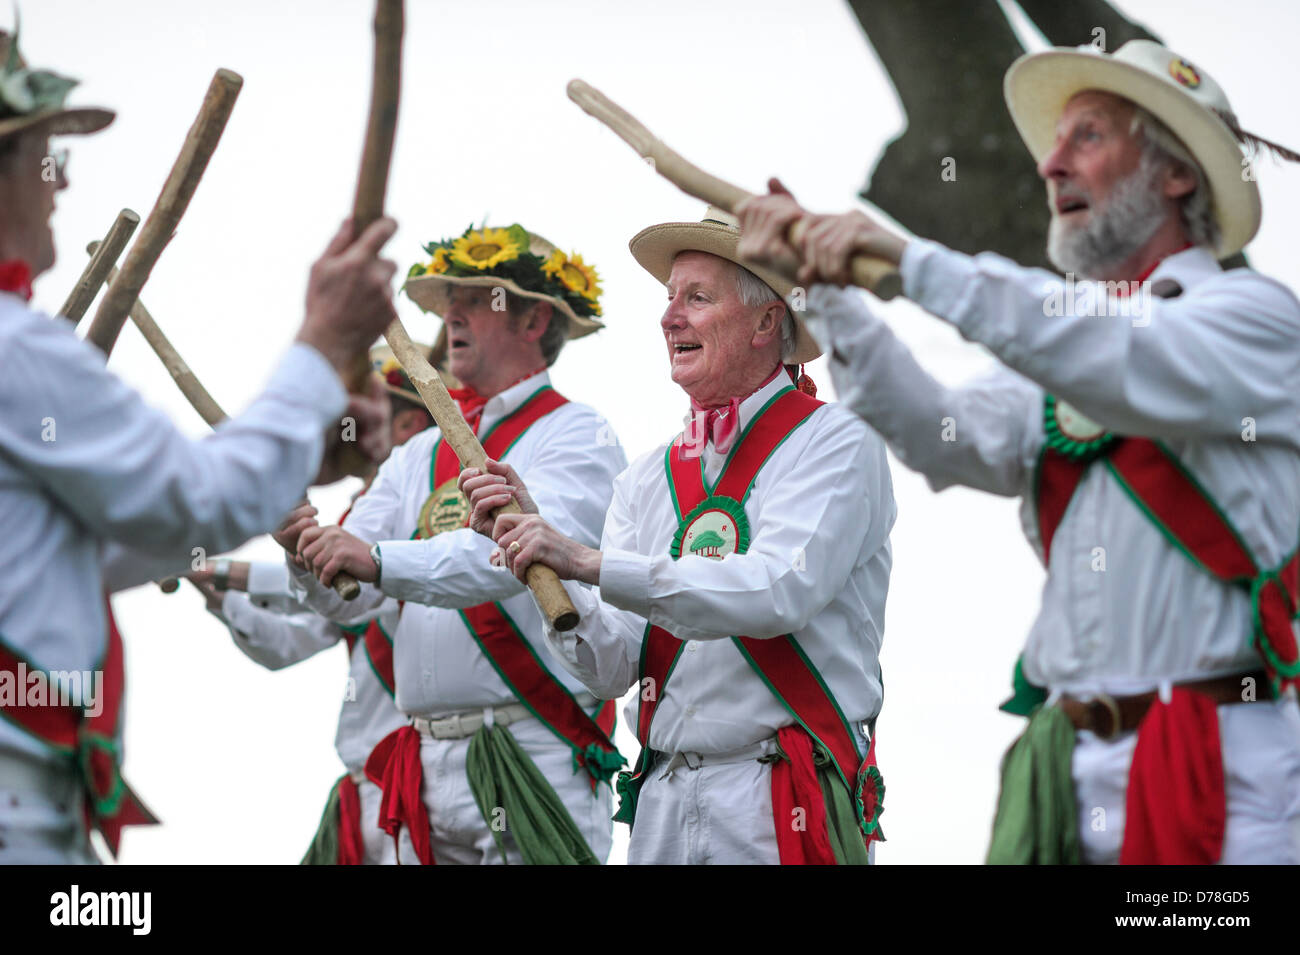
{"x":946,"y":60}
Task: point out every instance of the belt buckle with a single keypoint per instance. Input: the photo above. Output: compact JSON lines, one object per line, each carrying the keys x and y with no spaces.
{"x":1108,"y":705}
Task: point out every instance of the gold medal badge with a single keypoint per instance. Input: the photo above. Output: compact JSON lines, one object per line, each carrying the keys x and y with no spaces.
{"x":446,"y":509}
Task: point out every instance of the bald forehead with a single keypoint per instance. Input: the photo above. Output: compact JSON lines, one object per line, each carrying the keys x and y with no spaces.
{"x":705,"y":268}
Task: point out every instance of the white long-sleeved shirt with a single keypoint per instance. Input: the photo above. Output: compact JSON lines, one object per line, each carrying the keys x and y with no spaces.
{"x":99,"y":491}
{"x":1213,"y":373}
{"x":818,"y":564}
{"x":273,"y":629}
{"x":568,"y":460}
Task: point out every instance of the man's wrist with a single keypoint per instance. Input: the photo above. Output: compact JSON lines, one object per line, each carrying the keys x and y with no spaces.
{"x":221,"y":574}
{"x":589,"y":566}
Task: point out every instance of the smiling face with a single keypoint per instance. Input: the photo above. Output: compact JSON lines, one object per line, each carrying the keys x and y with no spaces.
{"x":28,"y":183}
{"x":718,"y":347}
{"x":487,"y":347}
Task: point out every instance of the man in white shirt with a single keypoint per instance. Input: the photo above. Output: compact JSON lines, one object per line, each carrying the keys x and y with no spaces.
{"x":270,"y":626}
{"x":506,"y":757}
{"x":1146,"y":416}
{"x":743,"y":572}
{"x":99,"y":492}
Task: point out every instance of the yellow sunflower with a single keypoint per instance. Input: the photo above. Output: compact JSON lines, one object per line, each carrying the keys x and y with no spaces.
{"x":554,"y":266}
{"x":439,"y":263}
{"x":579,"y":277}
{"x":485,"y":249}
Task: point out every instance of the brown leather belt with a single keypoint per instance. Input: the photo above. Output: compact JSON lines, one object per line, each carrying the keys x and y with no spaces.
{"x":1108,"y":716}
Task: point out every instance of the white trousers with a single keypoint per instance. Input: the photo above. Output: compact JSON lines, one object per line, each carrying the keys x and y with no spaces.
{"x":40,"y":814}
{"x":1261,"y":766}
{"x":459,"y":833}
{"x":372,"y":837}
{"x":716,"y":814}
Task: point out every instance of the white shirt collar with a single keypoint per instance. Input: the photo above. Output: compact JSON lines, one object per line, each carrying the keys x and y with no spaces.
{"x":1188,"y":268}
{"x":500,"y":405}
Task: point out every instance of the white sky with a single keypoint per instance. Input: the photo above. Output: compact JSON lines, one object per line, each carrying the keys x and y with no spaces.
{"x":237,"y":761}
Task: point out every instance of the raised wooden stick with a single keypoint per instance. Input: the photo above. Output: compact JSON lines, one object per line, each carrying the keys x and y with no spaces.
{"x":868,"y":271}
{"x":188,"y":382}
{"x":542,"y":581}
{"x":166,"y":214}
{"x":96,"y":272}
{"x":376,"y":160}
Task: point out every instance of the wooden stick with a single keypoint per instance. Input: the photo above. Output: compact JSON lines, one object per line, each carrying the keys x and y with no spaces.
{"x":200,"y":398}
{"x":869,"y":271}
{"x":100,"y":264}
{"x":542,"y":581}
{"x":376,"y":160}
{"x":200,"y":143}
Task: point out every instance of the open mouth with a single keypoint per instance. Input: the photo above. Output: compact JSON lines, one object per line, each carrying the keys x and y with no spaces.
{"x":682,"y":348}
{"x":1066,"y":206}
{"x":458,"y":343}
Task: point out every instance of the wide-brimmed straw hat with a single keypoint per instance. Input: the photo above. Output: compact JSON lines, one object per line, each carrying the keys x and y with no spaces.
{"x":718,"y":233}
{"x":1181,"y":95}
{"x":515,"y":259}
{"x":33,"y":99}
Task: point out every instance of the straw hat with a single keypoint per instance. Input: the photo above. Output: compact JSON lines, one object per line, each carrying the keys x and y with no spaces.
{"x":718,"y":233}
{"x":1182,"y":96}
{"x":515,"y":259}
{"x":31,"y":99}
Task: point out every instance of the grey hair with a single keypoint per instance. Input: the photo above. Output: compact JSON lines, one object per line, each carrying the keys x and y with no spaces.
{"x":753,"y":291}
{"x":1196,"y":208}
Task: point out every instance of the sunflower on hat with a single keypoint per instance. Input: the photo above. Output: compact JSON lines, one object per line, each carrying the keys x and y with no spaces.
{"x":511,"y":257}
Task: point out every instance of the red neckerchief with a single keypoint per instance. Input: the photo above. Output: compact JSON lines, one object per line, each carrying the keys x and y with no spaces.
{"x":1124,"y":291}
{"x":719,"y":424}
{"x":471,"y":402}
{"x":16,"y":277}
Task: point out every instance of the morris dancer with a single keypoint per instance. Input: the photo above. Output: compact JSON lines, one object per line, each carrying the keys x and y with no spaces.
{"x":742,"y":575}
{"x":504,"y":756}
{"x":272,"y":628}
{"x":1163,"y":440}
{"x":101,"y":492}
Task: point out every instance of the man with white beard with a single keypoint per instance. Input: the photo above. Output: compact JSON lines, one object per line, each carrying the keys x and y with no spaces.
{"x":1165,"y":438}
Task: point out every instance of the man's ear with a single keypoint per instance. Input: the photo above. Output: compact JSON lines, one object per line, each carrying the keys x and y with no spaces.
{"x":1179,"y":180}
{"x":769,"y":324}
{"x":537,"y":320}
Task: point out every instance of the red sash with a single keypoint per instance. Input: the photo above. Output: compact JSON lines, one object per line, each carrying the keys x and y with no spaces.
{"x":1175,"y":799}
{"x":378,"y":648}
{"x":91,"y":741}
{"x":1189,"y":518}
{"x":352,"y":844}
{"x":779,"y":662}
{"x":395,"y":763}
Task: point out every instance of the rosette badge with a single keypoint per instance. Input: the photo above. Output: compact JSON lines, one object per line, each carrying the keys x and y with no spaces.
{"x":512,"y":258}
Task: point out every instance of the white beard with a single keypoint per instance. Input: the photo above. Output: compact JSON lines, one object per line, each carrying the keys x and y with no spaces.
{"x":1115,"y":230}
